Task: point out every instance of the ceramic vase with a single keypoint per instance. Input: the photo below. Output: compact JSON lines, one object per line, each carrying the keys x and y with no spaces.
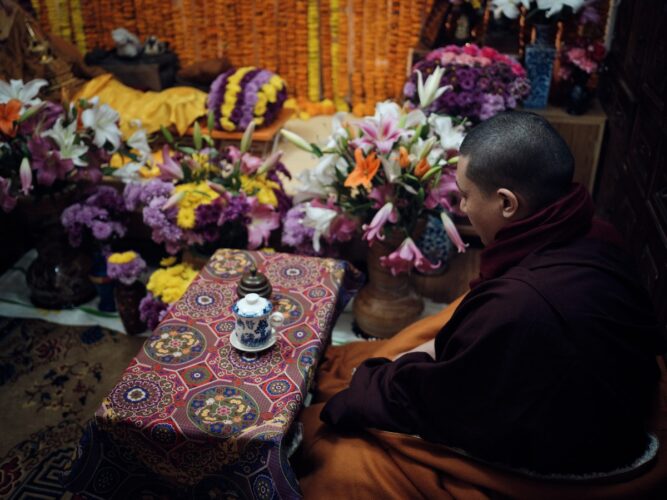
{"x":387,"y":303}
{"x":127,"y":298}
{"x":539,"y":61}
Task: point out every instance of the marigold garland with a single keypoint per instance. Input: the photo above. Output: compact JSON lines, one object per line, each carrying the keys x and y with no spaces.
{"x":344,"y":50}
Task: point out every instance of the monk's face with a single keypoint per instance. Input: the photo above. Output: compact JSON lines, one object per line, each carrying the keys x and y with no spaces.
{"x":485,"y":210}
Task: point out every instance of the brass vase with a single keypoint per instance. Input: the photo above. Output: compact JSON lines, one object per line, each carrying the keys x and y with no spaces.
{"x":387,"y":303}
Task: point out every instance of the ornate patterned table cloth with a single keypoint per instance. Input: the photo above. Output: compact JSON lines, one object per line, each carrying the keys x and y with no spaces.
{"x":192,"y":410}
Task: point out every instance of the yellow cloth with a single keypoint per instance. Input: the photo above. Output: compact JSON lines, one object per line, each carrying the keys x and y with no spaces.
{"x":178,"y":106}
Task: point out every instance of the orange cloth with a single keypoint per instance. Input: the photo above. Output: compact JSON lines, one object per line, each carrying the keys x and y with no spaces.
{"x":387,"y":465}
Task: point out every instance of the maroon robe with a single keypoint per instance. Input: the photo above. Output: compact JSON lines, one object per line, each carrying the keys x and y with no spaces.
{"x":547,"y":365}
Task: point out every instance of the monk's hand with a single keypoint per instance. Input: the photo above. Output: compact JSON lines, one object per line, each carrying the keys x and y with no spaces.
{"x":427,"y":347}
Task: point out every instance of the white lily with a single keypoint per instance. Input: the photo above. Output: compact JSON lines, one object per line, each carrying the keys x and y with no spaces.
{"x":103,"y":119}
{"x":450,"y":137}
{"x":431,"y":90}
{"x":387,"y":110}
{"x":319,"y":219}
{"x":139,"y":142}
{"x":391,"y":167}
{"x":297,"y":140}
{"x":65,"y":138}
{"x":508,"y":8}
{"x":24,"y":92}
{"x":555,"y":6}
{"x":128,"y":172}
{"x":318,"y":181}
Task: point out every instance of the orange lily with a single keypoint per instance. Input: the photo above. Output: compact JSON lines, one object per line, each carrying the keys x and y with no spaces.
{"x":9,"y":113}
{"x":422,"y":167}
{"x":404,"y":157}
{"x":364,"y":171}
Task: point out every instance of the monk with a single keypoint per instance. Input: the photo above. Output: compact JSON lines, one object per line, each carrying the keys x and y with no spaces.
{"x":540,"y":382}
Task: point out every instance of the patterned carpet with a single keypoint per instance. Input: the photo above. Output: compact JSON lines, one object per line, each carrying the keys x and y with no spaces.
{"x":52,"y":379}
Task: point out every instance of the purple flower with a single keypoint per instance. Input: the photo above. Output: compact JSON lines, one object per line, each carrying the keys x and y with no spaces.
{"x":142,"y":193}
{"x":99,"y":216}
{"x":47,"y":162}
{"x":126,"y":272}
{"x":43,"y":120}
{"x":152,"y":310}
{"x":295,"y":234}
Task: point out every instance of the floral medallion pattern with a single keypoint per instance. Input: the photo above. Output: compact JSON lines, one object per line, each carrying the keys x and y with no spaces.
{"x":175,"y":344}
{"x":202,"y":415}
{"x":289,"y":307}
{"x":203,"y":301}
{"x":227,"y":264}
{"x":295,"y":273}
{"x":223,"y":411}
{"x":140,"y":395}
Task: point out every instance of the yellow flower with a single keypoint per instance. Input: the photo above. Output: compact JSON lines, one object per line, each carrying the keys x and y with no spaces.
{"x":170,"y":284}
{"x":168,"y":261}
{"x":121,"y":257}
{"x":261,"y":187}
{"x":195,"y":194}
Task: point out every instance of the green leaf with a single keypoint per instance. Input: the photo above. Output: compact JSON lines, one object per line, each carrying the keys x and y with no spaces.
{"x":187,"y":150}
{"x":316,"y":150}
{"x":210,"y":122}
{"x":208,"y":140}
{"x":108,"y":170}
{"x":421,"y":195}
{"x":410,"y":177}
{"x":167,"y":135}
{"x":196,"y":136}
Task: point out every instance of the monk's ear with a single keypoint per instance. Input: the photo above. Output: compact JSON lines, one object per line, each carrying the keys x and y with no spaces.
{"x":510,"y":203}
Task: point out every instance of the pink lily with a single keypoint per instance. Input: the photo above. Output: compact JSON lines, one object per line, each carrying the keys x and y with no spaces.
{"x":381,"y":194}
{"x":445,"y":194}
{"x":452,"y":232}
{"x":25,"y":173}
{"x":173,"y":200}
{"x":380,"y":132}
{"x":405,"y":257}
{"x":343,"y":228}
{"x":270,"y":162}
{"x":170,"y":168}
{"x":264,"y":219}
{"x":374,"y":230}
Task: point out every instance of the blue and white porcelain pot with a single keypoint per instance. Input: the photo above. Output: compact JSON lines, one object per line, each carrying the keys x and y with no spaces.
{"x":254,"y":320}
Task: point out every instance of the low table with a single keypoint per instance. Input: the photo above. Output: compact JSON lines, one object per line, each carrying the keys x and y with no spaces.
{"x":264,"y":140}
{"x":193,"y":414}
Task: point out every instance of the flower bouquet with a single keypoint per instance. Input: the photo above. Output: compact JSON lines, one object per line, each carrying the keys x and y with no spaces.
{"x":239,"y":97}
{"x":165,"y":286}
{"x":206,"y":197}
{"x":380,"y":177}
{"x":45,"y":147}
{"x":126,"y":268}
{"x":483,"y":82}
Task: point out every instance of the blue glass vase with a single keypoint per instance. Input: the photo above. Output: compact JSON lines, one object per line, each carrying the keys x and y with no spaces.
{"x":539,"y":61}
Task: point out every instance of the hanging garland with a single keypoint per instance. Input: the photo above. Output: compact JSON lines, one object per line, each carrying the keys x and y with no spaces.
{"x":313,"y":51}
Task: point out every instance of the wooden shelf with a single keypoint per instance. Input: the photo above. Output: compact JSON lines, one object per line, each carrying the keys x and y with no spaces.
{"x":583,"y":133}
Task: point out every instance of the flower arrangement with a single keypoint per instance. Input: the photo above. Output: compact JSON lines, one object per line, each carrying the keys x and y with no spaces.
{"x":585,"y":59}
{"x":126,"y":267}
{"x":239,"y":97}
{"x":201,"y":194}
{"x":99,"y":218}
{"x":379,"y":176}
{"x":44,"y":146}
{"x":165,"y":286}
{"x":545,"y":10}
{"x":483,"y":82}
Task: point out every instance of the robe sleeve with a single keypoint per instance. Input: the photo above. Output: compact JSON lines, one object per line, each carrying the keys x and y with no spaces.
{"x":496,"y":360}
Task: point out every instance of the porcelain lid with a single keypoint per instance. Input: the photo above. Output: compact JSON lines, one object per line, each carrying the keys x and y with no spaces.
{"x":252,"y":305}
